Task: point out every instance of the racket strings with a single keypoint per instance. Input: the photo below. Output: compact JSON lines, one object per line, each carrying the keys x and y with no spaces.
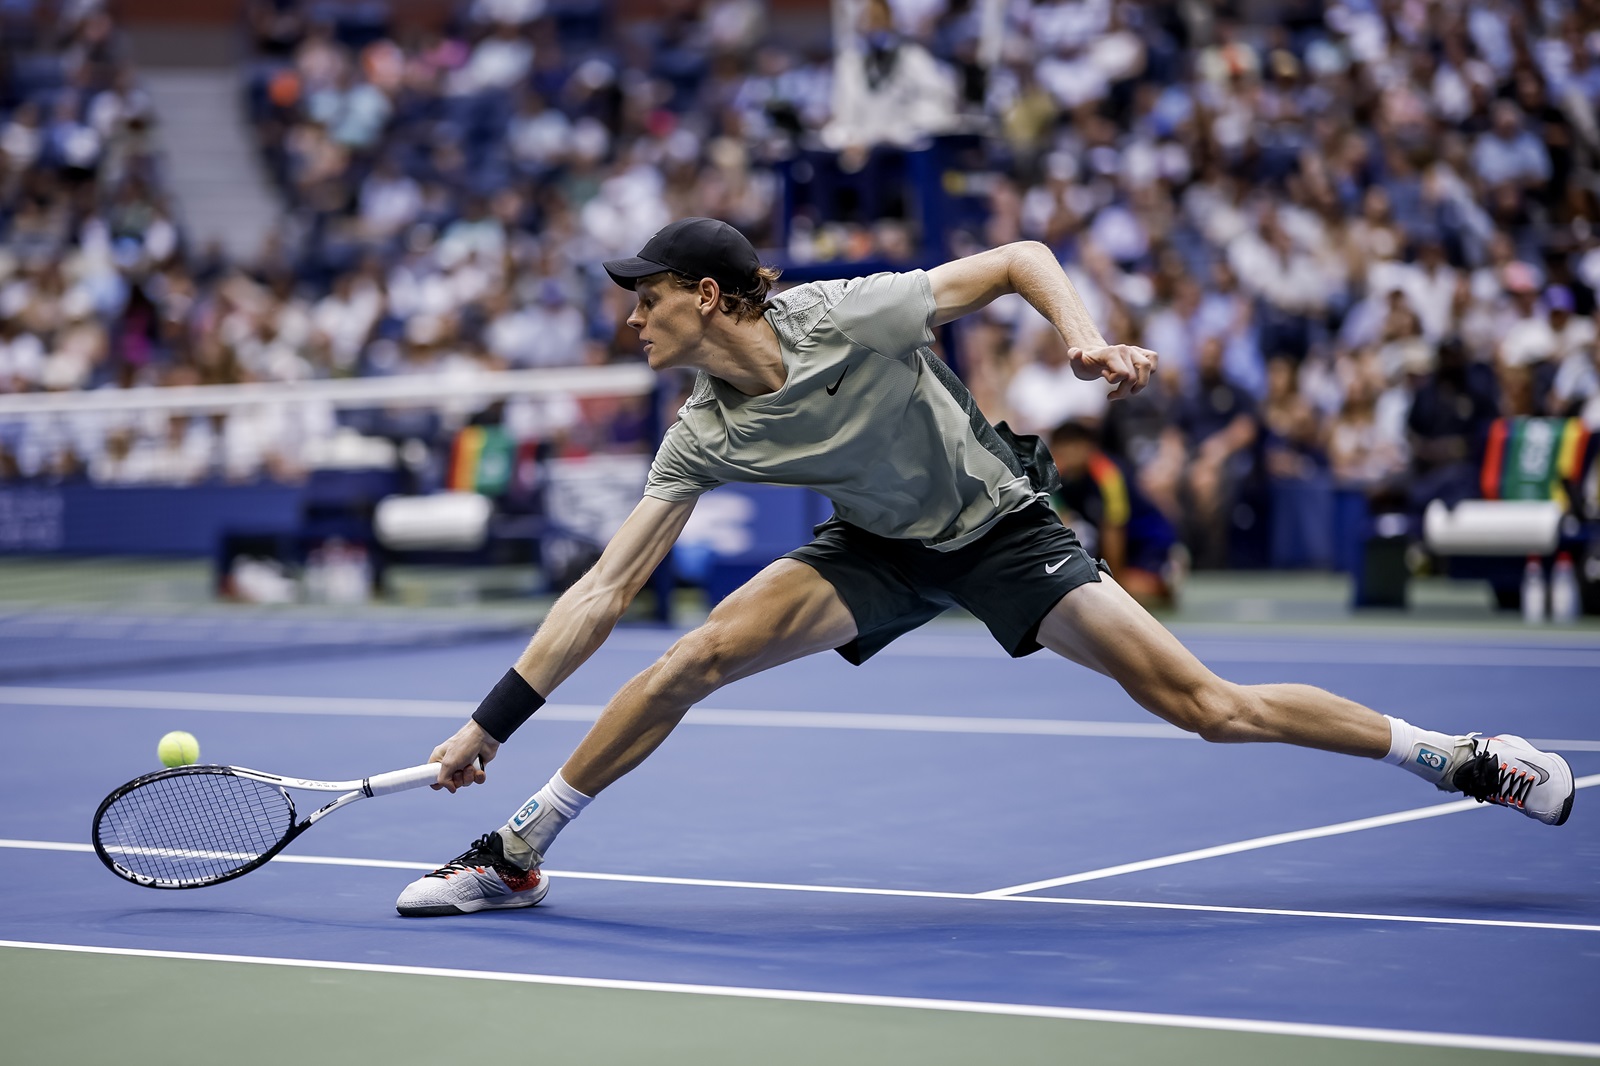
{"x":195,"y":827}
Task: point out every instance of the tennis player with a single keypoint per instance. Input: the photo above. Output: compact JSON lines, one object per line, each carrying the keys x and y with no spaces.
{"x":832,"y":385}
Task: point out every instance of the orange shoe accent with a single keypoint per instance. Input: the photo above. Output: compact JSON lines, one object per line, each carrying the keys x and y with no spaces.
{"x":518,"y":881}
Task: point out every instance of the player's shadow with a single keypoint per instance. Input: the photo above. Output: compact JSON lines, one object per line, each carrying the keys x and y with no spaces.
{"x":229,"y":923}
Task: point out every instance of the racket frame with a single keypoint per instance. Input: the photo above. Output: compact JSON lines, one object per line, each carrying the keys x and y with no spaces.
{"x":365,"y":788}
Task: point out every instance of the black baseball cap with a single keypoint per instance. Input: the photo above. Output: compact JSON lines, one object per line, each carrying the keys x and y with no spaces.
{"x":696,"y":248}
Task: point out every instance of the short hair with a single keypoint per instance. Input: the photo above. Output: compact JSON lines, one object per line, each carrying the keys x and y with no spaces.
{"x":752,"y":303}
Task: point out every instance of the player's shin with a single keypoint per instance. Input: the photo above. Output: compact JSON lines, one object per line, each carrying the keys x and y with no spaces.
{"x":527,"y":836}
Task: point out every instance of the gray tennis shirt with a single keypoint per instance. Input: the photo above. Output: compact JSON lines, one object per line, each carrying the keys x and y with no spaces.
{"x":868,"y":416}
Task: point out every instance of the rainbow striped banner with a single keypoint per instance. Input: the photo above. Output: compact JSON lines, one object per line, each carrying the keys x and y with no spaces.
{"x":1534,"y":458}
{"x":482,"y":460}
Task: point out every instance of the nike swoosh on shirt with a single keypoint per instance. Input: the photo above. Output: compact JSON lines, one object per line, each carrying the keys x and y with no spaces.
{"x":1052,"y":569}
{"x":835,"y":386}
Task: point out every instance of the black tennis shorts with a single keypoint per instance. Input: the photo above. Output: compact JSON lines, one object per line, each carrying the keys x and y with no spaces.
{"x":1010,"y":578}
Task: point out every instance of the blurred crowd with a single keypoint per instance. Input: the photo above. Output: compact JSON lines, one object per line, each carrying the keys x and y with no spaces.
{"x":80,"y":198}
{"x":1356,"y":236}
{"x":1356,"y":232}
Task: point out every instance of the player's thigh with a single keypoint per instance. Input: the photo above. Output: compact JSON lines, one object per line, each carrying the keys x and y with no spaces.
{"x":785,"y":612}
{"x":1099,"y":625}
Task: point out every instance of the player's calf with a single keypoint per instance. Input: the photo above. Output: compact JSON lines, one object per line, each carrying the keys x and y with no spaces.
{"x":1220,"y":712}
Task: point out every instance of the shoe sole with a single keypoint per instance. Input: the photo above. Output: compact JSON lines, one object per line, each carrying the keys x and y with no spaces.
{"x":444,"y":909}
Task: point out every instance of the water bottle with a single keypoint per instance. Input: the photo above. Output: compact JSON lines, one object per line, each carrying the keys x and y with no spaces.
{"x":1564,"y":596}
{"x":314,"y":577}
{"x":361,"y":574}
{"x":1534,"y":592}
{"x":345,"y":577}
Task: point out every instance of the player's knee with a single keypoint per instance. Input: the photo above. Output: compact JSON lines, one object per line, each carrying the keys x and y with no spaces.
{"x":1222,"y":713}
{"x":697,"y":665}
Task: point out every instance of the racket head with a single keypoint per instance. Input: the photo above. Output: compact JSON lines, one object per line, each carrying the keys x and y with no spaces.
{"x":192,"y":826}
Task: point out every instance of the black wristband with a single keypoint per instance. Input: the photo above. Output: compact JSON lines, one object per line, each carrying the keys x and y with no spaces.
{"x":511,"y":702}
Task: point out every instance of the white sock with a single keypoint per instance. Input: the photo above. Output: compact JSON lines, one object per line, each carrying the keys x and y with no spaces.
{"x":1422,"y":751}
{"x":530,"y":832}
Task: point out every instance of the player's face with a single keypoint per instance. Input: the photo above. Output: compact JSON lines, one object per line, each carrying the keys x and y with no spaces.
{"x":668,"y":321}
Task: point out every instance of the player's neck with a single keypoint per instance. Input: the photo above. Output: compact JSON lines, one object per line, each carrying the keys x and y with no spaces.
{"x":744,"y":354}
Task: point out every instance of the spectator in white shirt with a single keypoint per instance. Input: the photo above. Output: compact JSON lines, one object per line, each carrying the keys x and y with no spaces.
{"x":1044,"y":392}
{"x":1270,"y":264}
{"x":1577,"y":382}
{"x":476,"y":232}
{"x":22,"y":139}
{"x":550,"y":332}
{"x":21,"y":357}
{"x":1174,"y":330}
{"x":1530,"y":340}
{"x":1574,"y":334}
{"x":539,"y":136}
{"x":886,"y":89}
{"x":345,"y":318}
{"x":1430,"y":287}
{"x":499,"y":61}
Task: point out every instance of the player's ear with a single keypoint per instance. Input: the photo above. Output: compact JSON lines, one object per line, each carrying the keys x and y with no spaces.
{"x":708,"y":296}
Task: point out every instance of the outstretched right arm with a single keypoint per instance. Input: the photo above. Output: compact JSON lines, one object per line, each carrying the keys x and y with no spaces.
{"x":577,"y":625}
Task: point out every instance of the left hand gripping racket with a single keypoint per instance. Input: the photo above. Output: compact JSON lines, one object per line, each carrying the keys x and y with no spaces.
{"x":194,"y":826}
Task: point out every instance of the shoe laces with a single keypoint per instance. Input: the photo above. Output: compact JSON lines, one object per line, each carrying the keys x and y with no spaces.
{"x":481,"y":854}
{"x":1488,"y":780}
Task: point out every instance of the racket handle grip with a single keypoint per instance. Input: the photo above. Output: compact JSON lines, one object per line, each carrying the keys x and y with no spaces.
{"x":402,"y":780}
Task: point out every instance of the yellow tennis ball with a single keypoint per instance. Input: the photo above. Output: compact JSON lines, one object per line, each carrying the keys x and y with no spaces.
{"x":178,"y":749}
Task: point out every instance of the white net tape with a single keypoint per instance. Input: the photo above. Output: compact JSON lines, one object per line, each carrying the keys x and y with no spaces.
{"x":187,"y":434}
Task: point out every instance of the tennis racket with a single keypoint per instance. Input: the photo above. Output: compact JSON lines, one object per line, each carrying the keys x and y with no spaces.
{"x":194,"y":826}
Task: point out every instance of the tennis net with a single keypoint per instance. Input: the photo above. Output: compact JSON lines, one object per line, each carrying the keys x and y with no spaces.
{"x":41,"y":641}
{"x":181,"y":527}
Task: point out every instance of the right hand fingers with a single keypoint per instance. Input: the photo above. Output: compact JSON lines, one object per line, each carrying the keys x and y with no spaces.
{"x":456,"y":771}
{"x":450,"y":780}
{"x":462,"y":758}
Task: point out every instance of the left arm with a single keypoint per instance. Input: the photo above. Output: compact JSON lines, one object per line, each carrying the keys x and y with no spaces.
{"x":1030,"y":270}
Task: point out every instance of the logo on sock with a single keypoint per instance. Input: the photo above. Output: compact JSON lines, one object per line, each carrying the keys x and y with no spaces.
{"x":524,"y":816}
{"x":1433,"y":760}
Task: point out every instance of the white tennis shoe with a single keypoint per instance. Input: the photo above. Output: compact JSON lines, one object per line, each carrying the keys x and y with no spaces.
{"x":1509,"y":771}
{"x":479,"y":879}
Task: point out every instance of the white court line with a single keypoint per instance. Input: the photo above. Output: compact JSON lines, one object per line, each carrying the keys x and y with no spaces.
{"x":141,"y":699}
{"x":150,"y":699}
{"x":1211,"y":651}
{"x":908,"y":893}
{"x":1292,"y":648}
{"x":1526,"y":1045}
{"x":1338,"y":828}
{"x":1332,"y":648}
{"x":1296,"y":648}
{"x":230,"y":702}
